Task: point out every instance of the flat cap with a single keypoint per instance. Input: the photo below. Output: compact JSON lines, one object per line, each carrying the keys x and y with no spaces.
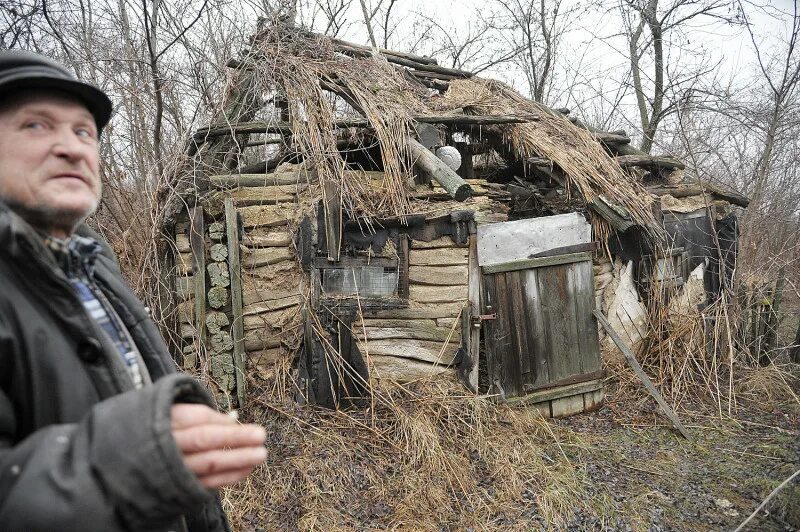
{"x":22,"y":70}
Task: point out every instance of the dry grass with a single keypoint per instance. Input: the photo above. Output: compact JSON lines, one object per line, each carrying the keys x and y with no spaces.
{"x":423,"y":457}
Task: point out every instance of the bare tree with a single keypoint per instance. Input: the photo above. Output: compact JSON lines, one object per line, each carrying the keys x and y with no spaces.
{"x":533,"y":28}
{"x":471,"y":46}
{"x":648,"y":26}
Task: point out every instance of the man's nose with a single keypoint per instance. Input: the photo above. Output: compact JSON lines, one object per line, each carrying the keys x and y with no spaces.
{"x":67,"y":145}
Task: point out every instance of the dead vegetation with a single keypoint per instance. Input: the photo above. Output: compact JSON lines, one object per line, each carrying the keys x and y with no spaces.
{"x":420,"y":457}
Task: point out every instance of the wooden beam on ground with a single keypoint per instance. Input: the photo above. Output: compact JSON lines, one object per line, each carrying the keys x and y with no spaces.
{"x":438,"y":171}
{"x":649,"y":161}
{"x":237,"y":327}
{"x":637,"y":368}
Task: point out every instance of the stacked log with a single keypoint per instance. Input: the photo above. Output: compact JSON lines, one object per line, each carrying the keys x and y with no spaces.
{"x":270,"y":208}
{"x":421,"y":340}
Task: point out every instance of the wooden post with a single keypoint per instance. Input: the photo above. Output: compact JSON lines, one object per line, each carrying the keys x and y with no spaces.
{"x":466,"y":171}
{"x":474,"y":295}
{"x":332,"y":201}
{"x":434,"y":167}
{"x":237,"y":327}
{"x":198,"y":245}
{"x":648,"y":384}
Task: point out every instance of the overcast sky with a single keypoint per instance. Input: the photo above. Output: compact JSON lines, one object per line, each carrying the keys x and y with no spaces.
{"x":592,"y":62}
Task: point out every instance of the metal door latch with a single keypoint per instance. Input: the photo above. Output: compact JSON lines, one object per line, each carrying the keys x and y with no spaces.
{"x":476,"y":320}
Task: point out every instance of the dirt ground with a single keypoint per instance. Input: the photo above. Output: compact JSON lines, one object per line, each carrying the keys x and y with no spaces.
{"x":659,"y":481}
{"x":619,"y":468}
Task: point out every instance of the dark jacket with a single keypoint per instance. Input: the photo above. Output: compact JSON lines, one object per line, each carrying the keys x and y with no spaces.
{"x":79,"y":449}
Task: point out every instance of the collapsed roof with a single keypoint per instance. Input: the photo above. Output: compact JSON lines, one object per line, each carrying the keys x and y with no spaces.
{"x":300,"y":96}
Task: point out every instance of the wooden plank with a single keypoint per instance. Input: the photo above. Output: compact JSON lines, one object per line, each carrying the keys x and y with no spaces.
{"x":441,"y":242}
{"x":557,"y":393}
{"x":430,"y":333}
{"x":266,"y":256}
{"x":567,"y":406}
{"x":419,"y":310}
{"x":534,"y":321}
{"x":649,"y":161}
{"x":237,"y":326}
{"x":404,"y":369}
{"x":271,"y":320}
{"x":553,"y":291}
{"x":264,"y":195}
{"x":588,"y":340}
{"x":492,"y":334}
{"x":403,"y":267}
{"x":574,"y":379}
{"x":437,"y":294}
{"x":438,"y":275}
{"x":637,"y":368}
{"x":438,"y":257}
{"x":332,"y":200}
{"x":526,"y":264}
{"x":392,"y":322}
{"x":425,"y":351}
{"x":516,"y":297}
{"x":268,"y":239}
{"x":505,"y":339}
{"x":262,"y":180}
{"x":198,"y":245}
{"x":355,"y":262}
{"x":474,"y":296}
{"x":268,"y":305}
{"x":264,"y":216}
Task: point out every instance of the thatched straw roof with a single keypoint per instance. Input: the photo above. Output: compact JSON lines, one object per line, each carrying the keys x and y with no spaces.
{"x":319,"y":82}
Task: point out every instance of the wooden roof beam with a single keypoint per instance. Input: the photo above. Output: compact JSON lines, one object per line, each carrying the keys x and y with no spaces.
{"x":433,"y":167}
{"x":218,"y":130}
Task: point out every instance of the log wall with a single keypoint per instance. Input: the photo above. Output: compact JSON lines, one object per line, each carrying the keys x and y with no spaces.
{"x":421,"y":340}
{"x":402,"y":344}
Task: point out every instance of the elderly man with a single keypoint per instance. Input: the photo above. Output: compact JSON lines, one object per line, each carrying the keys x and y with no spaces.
{"x":97,"y":431}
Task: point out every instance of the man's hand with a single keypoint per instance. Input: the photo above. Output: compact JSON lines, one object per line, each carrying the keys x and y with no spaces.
{"x":215,"y":447}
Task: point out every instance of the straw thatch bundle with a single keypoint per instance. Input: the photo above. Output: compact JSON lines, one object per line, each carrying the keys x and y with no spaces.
{"x":308,"y":70}
{"x":589,"y":170}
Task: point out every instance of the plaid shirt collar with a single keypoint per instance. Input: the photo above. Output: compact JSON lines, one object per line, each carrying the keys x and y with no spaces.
{"x":75,"y":255}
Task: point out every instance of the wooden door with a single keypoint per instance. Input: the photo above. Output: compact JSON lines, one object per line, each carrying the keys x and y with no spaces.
{"x":537,"y":304}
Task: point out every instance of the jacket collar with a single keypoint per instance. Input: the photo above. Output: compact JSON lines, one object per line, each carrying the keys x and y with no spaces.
{"x":18,"y":238}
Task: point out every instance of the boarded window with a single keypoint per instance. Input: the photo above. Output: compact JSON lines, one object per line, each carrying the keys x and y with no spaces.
{"x":362,"y":281}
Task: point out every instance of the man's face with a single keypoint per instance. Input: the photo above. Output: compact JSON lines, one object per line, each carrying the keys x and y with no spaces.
{"x":49,"y":161}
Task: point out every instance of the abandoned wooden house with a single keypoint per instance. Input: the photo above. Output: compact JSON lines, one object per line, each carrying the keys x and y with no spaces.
{"x":360,"y":214}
